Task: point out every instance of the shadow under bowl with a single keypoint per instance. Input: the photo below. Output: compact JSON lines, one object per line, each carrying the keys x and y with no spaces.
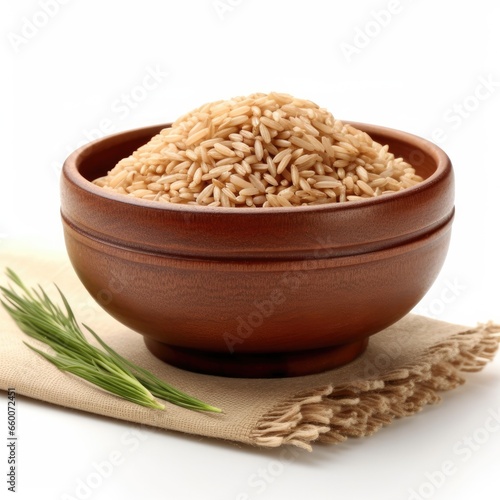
{"x":257,"y":292}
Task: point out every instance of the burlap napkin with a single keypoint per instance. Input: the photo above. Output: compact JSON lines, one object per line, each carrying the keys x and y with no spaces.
{"x":404,"y":368}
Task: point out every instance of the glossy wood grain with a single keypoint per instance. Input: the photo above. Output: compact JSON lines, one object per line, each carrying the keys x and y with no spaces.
{"x":257,"y":292}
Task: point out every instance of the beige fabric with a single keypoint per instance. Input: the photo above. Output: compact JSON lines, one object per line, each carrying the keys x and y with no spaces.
{"x":402,"y":370}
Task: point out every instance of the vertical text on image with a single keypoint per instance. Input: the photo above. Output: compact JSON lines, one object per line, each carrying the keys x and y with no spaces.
{"x":11,"y":440}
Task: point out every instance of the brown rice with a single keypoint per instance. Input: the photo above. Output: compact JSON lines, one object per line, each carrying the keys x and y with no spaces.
{"x":264,"y":150}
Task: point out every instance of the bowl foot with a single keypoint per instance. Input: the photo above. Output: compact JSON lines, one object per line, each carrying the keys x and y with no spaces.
{"x":257,"y":365}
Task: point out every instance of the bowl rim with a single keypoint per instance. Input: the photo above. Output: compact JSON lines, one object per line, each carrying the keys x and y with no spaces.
{"x":443,"y":163}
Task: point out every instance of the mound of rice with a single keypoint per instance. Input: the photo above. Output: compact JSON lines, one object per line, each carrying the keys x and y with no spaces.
{"x":264,"y":150}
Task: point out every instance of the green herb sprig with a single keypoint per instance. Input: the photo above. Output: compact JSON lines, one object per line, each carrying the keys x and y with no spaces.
{"x":40,"y":318}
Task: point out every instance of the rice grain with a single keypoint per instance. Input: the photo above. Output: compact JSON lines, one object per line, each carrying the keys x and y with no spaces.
{"x":263,"y":150}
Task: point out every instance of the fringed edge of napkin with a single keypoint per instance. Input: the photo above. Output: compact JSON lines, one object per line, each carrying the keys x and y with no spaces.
{"x":360,"y":408}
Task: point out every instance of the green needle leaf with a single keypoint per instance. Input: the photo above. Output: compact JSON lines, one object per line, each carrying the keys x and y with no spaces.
{"x":40,"y":318}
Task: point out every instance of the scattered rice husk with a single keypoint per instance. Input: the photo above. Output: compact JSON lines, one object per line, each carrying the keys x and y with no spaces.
{"x":263,"y":150}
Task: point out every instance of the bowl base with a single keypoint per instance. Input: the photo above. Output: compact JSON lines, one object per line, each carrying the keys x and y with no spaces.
{"x":257,"y":365}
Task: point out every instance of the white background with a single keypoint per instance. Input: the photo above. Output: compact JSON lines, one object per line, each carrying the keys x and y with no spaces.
{"x":430,"y":68}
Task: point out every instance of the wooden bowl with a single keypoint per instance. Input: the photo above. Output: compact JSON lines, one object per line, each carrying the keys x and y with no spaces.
{"x":257,"y":292}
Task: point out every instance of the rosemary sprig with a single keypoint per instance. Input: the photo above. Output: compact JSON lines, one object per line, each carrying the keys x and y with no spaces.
{"x":42,"y":319}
